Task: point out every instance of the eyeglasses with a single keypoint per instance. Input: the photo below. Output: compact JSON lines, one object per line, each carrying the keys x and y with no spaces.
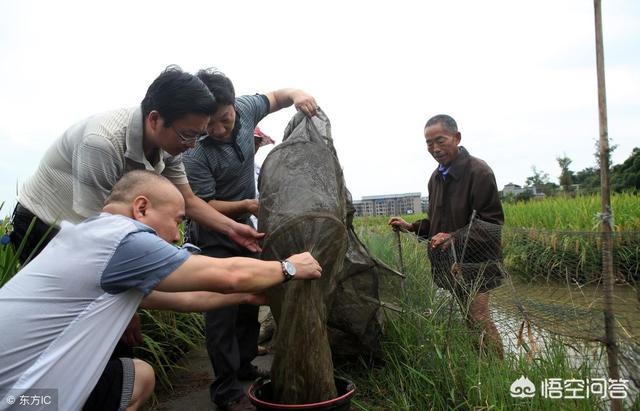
{"x":189,"y":140}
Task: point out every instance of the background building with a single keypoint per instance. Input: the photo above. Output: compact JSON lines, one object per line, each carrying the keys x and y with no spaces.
{"x":515,"y":191}
{"x":391,"y":204}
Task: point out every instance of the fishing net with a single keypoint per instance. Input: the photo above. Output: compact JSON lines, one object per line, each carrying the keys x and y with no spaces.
{"x":546,"y":284}
{"x":305,"y":206}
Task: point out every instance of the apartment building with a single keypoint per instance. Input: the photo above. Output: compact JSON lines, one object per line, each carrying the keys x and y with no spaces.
{"x":390,"y":204}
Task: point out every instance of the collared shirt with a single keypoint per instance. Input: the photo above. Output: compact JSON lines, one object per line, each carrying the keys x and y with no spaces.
{"x":469,"y":185}
{"x":443,"y":170}
{"x":134,"y":147}
{"x":80,"y":168}
{"x":225,"y":170}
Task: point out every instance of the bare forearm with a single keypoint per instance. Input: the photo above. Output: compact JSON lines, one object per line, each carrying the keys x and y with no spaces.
{"x":253,"y":275}
{"x":198,"y":210}
{"x":283,"y":98}
{"x":236,"y":274}
{"x":287,"y":96}
{"x":210,"y":218}
{"x":199,"y":301}
{"x":223,"y":275}
{"x":193,"y":301}
{"x":231,"y":208}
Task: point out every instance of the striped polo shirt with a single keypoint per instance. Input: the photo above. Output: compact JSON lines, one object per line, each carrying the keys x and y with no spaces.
{"x":79,"y":169}
{"x":225,"y":170}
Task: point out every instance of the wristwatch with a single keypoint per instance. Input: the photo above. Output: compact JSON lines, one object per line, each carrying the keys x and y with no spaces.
{"x":288,"y":270}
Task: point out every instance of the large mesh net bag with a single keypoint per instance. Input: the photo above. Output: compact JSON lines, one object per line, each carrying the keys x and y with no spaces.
{"x":305,"y":206}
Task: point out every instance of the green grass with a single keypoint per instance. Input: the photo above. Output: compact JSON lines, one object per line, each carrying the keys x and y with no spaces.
{"x":553,"y":213}
{"x":541,"y":251}
{"x":8,"y":260}
{"x":558,"y":237}
{"x":431,"y":360}
{"x":168,"y":336}
{"x":574,"y":214}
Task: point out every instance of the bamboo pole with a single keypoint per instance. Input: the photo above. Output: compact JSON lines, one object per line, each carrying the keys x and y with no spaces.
{"x":399,"y":242}
{"x":606,"y":215}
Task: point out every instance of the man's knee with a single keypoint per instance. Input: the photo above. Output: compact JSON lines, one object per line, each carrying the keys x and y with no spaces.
{"x":479,"y":309}
{"x":143,"y":383}
{"x":144,"y":374}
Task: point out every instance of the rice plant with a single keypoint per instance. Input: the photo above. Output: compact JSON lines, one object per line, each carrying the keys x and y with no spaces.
{"x":574,"y":214}
{"x":558,"y":237}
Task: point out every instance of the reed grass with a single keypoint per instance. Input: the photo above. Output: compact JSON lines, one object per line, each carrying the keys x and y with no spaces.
{"x":431,"y":360}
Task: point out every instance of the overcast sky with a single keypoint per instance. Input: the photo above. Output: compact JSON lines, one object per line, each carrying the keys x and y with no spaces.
{"x":519,"y":77}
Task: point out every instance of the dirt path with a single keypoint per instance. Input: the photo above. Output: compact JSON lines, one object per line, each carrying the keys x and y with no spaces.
{"x":191,"y":384}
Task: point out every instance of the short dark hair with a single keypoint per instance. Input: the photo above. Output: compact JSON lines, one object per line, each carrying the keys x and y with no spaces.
{"x":176,"y":93}
{"x":220,"y":85}
{"x":135,"y":183}
{"x":447,"y":122}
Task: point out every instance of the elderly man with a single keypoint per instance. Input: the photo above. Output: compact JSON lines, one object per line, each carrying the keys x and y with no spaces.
{"x":459,"y":186}
{"x":221,"y":172}
{"x":63,"y":313}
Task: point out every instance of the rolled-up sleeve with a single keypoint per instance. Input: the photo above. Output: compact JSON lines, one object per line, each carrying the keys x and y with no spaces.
{"x":174,"y":169}
{"x":257,"y":106}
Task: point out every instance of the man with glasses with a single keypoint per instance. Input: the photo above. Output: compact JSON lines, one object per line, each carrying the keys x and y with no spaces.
{"x":81,"y":167}
{"x":462,"y":186}
{"x":221,"y":172}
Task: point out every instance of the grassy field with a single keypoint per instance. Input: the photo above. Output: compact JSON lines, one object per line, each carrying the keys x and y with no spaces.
{"x":554,"y":213}
{"x":431,"y":360}
{"x":558,"y":237}
{"x":574,"y":214}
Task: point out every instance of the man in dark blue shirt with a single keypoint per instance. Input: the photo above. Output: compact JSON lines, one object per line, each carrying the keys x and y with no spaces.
{"x":221,"y":171}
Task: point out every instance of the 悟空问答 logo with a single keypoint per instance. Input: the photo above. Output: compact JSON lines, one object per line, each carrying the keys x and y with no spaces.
{"x":523,"y":388}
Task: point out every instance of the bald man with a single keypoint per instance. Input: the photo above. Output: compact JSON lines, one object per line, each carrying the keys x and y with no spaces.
{"x":63,"y":313}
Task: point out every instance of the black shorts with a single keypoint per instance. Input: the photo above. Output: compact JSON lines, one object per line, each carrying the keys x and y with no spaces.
{"x":114,"y":388}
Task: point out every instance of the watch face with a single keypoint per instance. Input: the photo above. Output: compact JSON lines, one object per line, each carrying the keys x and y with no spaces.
{"x":291,"y":269}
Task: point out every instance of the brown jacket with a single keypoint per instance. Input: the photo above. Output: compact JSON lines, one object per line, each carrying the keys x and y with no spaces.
{"x":470,"y":185}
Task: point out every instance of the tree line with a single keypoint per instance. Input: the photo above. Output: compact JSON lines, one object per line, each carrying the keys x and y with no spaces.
{"x":623,"y":177}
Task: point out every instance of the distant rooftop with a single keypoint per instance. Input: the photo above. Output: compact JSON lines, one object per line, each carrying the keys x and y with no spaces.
{"x":390,"y":196}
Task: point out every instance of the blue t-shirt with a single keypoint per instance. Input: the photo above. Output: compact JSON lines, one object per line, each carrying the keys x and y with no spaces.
{"x":141,"y":261}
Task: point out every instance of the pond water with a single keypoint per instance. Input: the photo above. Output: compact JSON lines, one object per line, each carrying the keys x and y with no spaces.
{"x":573,"y":315}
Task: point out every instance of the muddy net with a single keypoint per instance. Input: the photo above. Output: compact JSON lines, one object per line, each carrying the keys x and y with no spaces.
{"x":305,"y":206}
{"x":545,"y":285}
